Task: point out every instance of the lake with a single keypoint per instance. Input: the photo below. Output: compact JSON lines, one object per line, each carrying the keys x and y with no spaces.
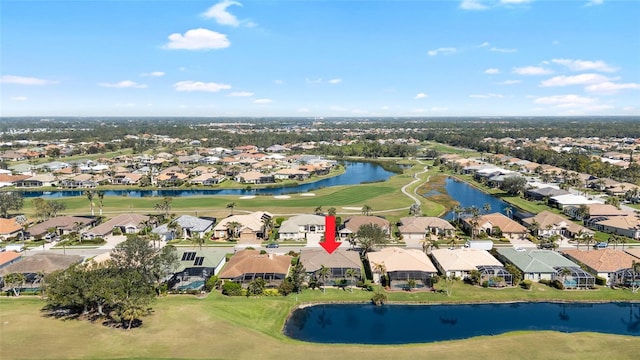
{"x":355,"y":173}
{"x":469,"y":196}
{"x":404,"y":324}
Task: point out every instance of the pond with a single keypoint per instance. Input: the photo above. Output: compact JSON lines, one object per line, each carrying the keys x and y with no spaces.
{"x":355,"y":173}
{"x":404,"y":324}
{"x":469,"y":196}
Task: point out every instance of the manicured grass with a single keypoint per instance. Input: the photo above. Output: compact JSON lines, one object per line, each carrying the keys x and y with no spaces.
{"x":246,"y":328}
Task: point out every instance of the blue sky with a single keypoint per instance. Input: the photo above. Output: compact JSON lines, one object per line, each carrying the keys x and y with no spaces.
{"x":319,"y":58}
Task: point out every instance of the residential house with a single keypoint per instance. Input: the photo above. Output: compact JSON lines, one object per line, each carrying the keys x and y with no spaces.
{"x":351,"y":225}
{"x":190,"y":227}
{"x":291,"y":174}
{"x":125,"y":223}
{"x":536,"y":265}
{"x":495,"y":224}
{"x":402,"y":265}
{"x":628,"y":226}
{"x":302,"y":227}
{"x":126,"y":178}
{"x":562,"y":201}
{"x":62,"y":225}
{"x":417,"y":228}
{"x":460,"y":262}
{"x":82,"y":181}
{"x":603,"y":263}
{"x":39,"y":180}
{"x":250,"y":227}
{"x":339,"y":262}
{"x":46,"y":263}
{"x":196,"y":266}
{"x":9,"y":228}
{"x":547,"y":224}
{"x":207,"y":179}
{"x":595,"y":211}
{"x":247,"y":265}
{"x":254,"y":177}
{"x":544,"y":193}
{"x":9,"y":257}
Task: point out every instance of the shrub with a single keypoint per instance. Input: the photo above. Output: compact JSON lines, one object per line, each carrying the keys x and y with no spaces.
{"x":232,"y":289}
{"x":271,"y":292}
{"x":379,"y":299}
{"x":262,"y":252}
{"x":601,"y":281}
{"x":285,"y":288}
{"x":557,"y":284}
{"x":485,"y":284}
{"x":526,"y":284}
{"x":545,"y":281}
{"x":212,"y":283}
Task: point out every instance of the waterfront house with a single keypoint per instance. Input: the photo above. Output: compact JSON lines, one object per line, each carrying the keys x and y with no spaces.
{"x":459,"y":262}
{"x":604,"y":263}
{"x":401,"y":265}
{"x":338,"y":262}
{"x":196,"y":266}
{"x":247,"y":265}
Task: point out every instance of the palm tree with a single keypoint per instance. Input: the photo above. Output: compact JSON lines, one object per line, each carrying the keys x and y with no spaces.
{"x":318,"y":210}
{"x":15,"y":281}
{"x":635,"y":272}
{"x":588,"y":239}
{"x":350,"y":274}
{"x":21,"y":220}
{"x":509,"y":211}
{"x":563,"y":273}
{"x":232,"y":228}
{"x":267,"y":222}
{"x":323,"y":274}
{"x":89,"y":194}
{"x":100,"y":194}
{"x":331,"y":211}
{"x":475,"y":215}
{"x":426,"y":245}
{"x":231,"y":206}
{"x":486,"y":207}
{"x":381,"y":269}
{"x":174,"y":227}
{"x":457,"y":210}
{"x":366,"y":210}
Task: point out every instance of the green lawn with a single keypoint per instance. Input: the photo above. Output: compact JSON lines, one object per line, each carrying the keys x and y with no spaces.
{"x":219,"y":327}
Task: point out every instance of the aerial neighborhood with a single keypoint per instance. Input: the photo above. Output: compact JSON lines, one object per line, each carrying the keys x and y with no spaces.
{"x":83,"y":206}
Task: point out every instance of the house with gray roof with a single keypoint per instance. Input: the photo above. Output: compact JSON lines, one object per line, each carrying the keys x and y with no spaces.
{"x":126,"y":223}
{"x":196,"y":266}
{"x":302,"y":227}
{"x":539,"y":264}
{"x":339,"y":262}
{"x":191,"y":227}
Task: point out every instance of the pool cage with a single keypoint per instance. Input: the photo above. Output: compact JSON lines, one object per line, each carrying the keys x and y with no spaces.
{"x":577,"y":279}
{"x":338,"y":274}
{"x":627,"y":278}
{"x":492,"y":275}
{"x":400,"y":279}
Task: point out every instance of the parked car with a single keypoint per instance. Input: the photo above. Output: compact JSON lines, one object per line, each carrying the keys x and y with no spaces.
{"x":600,"y":245}
{"x":547,"y":246}
{"x":273,"y":246}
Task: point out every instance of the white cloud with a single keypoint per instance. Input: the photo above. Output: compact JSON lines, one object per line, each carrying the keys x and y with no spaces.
{"x":198,"y":39}
{"x":278,"y":82}
{"x":472,"y":5}
{"x":594,"y":2}
{"x":439,"y":109}
{"x":555,"y":42}
{"x":585,"y":65}
{"x":509,"y":82}
{"x":200,"y":86}
{"x":153,"y":74}
{"x":484,"y":44}
{"x":335,"y":81}
{"x":23,"y":80}
{"x":241,"y":94}
{"x":421,"y":96}
{"x":19,"y":98}
{"x":566,"y":101}
{"x":582,"y":79}
{"x":608,"y":87}
{"x":487,"y":96}
{"x":221,"y":15}
{"x":442,"y":51}
{"x":515,"y":1}
{"x":123,"y":84}
{"x":492,"y":71}
{"x":384,"y":108}
{"x":313,"y":81}
{"x":262,"y":101}
{"x":532,"y":70}
{"x":506,"y":51}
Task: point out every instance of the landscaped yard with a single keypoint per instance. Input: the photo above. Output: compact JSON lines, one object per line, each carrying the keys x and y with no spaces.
{"x":250,"y":328}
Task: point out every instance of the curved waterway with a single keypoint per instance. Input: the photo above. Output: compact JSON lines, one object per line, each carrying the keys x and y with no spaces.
{"x":355,"y":173}
{"x":404,"y":324}
{"x":468,"y":196}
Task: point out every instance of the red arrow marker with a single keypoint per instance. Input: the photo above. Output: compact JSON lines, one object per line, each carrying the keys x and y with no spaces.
{"x":329,"y":243}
